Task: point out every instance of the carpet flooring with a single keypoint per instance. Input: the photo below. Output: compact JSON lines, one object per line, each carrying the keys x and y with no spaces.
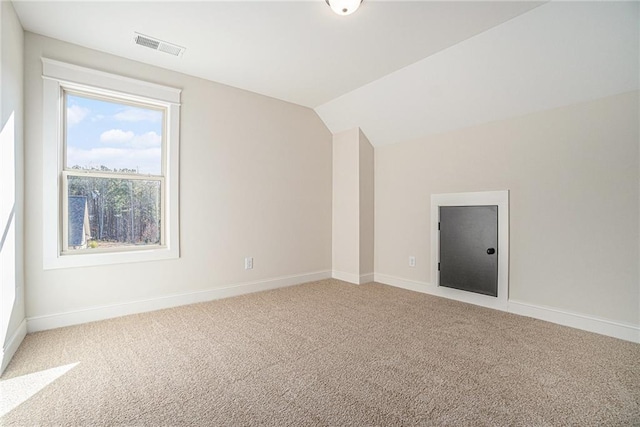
{"x":327,"y":353}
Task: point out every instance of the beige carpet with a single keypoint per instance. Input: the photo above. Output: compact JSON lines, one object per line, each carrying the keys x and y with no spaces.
{"x":328,"y":353}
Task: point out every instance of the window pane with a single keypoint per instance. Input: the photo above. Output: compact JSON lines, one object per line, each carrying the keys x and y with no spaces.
{"x":112,"y":212}
{"x":109,"y":136}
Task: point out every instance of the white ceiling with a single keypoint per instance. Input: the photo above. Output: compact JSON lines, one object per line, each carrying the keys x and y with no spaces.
{"x":399,"y":70}
{"x":558,"y":54}
{"x":298,"y":51}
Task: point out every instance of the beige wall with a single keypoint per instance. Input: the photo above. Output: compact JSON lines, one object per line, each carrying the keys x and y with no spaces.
{"x":366,"y":196}
{"x":255,"y":180}
{"x":346,"y":214}
{"x":353,"y":207}
{"x":11,"y":178}
{"x":573,"y":176}
{"x":259,"y":178}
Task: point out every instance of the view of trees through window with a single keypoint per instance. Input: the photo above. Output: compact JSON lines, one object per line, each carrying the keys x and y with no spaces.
{"x":120,"y":212}
{"x":113,"y":174}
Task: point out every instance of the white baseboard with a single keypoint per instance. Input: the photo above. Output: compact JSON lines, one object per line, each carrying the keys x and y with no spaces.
{"x":366,"y":278}
{"x":33,"y":324}
{"x":610,"y":328}
{"x":12,"y":344}
{"x":346,"y":277}
{"x":411,"y":285}
{"x":52,"y":321}
{"x":456,"y":294}
{"x":352,"y":278}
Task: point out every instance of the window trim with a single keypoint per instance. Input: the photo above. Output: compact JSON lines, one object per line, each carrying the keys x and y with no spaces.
{"x":59,"y":76}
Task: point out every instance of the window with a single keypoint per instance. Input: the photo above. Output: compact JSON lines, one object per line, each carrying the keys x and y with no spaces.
{"x":113,"y":174}
{"x":110,"y":168}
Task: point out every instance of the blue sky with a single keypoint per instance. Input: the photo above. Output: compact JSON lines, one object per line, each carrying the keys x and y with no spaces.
{"x":114,"y":135}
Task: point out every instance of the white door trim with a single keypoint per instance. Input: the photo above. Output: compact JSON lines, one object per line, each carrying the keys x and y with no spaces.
{"x":482,"y":198}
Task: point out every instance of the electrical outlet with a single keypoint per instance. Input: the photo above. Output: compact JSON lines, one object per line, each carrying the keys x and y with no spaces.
{"x":248,"y":263}
{"x":412,"y":261}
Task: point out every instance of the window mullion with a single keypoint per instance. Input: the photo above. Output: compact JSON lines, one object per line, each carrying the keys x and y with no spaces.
{"x":111,"y":175}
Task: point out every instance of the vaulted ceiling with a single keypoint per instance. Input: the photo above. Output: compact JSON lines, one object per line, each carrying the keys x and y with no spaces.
{"x":399,"y":70}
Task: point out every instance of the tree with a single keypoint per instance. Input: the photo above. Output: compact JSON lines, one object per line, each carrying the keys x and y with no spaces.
{"x":121,"y":210}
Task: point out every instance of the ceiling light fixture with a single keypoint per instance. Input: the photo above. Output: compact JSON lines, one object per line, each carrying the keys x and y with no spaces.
{"x":344,"y":7}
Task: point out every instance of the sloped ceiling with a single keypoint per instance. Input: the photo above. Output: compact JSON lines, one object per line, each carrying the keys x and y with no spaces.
{"x":555,"y":55}
{"x":398,"y":70}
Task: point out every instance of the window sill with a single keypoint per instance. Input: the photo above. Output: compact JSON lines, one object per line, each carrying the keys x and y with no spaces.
{"x":157,"y":253}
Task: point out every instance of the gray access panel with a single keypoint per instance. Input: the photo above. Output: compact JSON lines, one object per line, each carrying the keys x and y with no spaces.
{"x":469,"y":248}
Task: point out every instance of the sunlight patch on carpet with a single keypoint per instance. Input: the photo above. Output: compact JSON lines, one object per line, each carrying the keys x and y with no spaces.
{"x":16,"y":391}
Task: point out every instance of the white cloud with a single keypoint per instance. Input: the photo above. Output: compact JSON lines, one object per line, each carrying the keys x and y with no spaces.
{"x":149,"y":139}
{"x":132,"y":114}
{"x":116,"y":135}
{"x":97,"y":118}
{"x":76,"y":114}
{"x":146,"y":161}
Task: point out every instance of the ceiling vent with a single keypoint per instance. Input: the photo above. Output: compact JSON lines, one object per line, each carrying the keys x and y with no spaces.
{"x":158,"y":45}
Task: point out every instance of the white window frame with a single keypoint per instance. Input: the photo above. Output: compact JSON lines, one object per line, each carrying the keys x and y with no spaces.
{"x":58,"y":77}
